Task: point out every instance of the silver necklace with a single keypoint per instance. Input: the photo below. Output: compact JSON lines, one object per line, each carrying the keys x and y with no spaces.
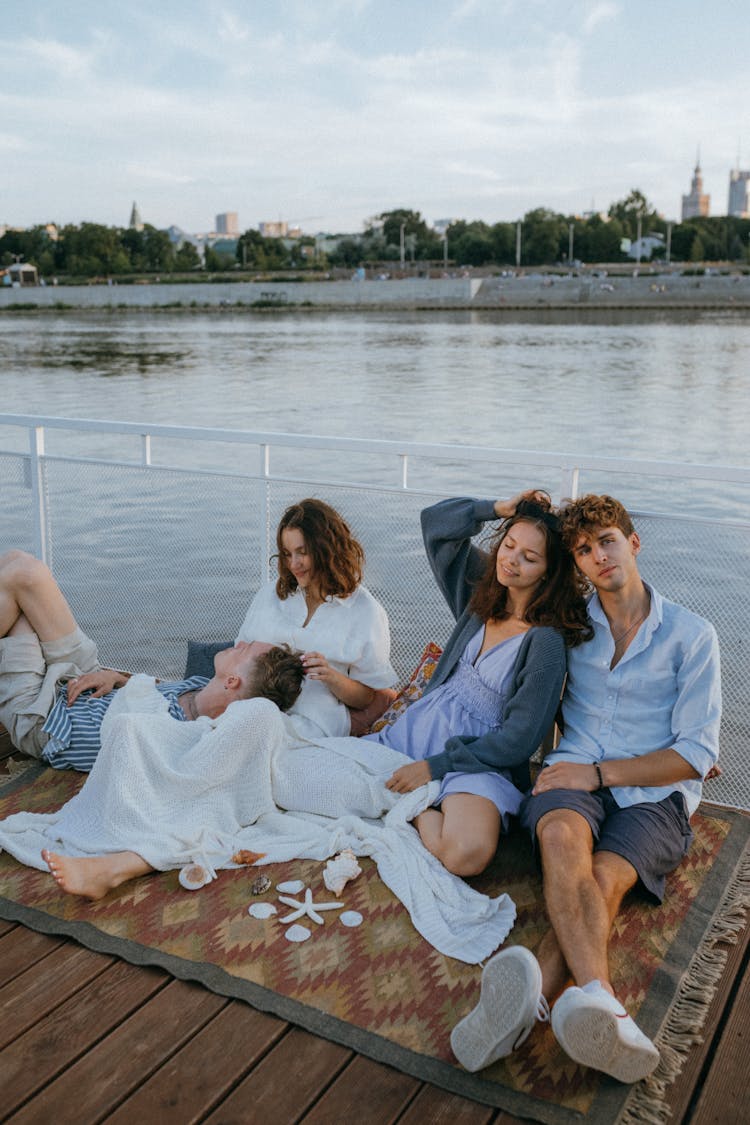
{"x":630,"y":628}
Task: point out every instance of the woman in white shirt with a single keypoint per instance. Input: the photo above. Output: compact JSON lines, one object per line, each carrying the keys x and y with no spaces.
{"x":319,"y":606}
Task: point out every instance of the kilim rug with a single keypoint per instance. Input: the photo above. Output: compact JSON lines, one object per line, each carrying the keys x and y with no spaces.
{"x":381,"y":989}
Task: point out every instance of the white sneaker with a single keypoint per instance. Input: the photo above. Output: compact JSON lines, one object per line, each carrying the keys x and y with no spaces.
{"x":595,"y":1030}
{"x":510,"y":1002}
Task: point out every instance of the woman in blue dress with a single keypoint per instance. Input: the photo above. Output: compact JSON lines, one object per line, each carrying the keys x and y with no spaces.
{"x":495,"y":692}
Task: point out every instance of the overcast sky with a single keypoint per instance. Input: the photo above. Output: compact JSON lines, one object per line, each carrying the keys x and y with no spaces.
{"x":325,"y":112}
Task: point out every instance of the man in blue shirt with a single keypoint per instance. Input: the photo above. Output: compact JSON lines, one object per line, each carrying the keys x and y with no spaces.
{"x":610,"y":809}
{"x":54,"y":694}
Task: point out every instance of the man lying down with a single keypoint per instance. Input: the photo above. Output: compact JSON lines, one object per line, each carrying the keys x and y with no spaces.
{"x":164,"y":793}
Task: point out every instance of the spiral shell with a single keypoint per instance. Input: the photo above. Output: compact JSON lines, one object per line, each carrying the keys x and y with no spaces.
{"x":340,"y":870}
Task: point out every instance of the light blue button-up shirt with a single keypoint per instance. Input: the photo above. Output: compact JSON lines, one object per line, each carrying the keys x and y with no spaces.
{"x":664,"y":693}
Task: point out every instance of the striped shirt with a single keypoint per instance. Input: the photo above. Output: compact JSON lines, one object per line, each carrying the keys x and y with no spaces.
{"x":74,"y":732}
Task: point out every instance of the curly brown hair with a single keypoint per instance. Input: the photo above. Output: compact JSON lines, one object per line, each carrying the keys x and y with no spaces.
{"x":559,"y":600}
{"x":277,"y":675}
{"x":590,"y":513}
{"x":338,"y":558}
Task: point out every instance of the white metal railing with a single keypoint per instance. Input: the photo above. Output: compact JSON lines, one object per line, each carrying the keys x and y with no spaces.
{"x":156,"y":537}
{"x":567,"y":467}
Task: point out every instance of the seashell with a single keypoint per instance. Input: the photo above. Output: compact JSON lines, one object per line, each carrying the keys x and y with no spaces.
{"x":193,"y":876}
{"x":260,"y":885}
{"x":245,"y":859}
{"x":292,"y":887}
{"x":261,"y":910}
{"x":351,"y":918}
{"x":297,"y":933}
{"x":340,"y":870}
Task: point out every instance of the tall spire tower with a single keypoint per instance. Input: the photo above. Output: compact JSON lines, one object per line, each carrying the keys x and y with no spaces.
{"x":136,"y":222}
{"x":696,"y":204}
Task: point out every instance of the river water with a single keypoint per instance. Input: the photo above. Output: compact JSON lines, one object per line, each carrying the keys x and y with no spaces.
{"x":671,"y":390}
{"x":674,"y":389}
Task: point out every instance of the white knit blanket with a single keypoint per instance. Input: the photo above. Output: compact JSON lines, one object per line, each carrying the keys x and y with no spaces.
{"x":175,"y":792}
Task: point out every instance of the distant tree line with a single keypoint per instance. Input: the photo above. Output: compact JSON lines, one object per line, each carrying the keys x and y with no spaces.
{"x":93,"y":250}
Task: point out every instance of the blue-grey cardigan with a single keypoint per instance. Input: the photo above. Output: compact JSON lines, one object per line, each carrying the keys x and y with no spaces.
{"x":538,"y":673}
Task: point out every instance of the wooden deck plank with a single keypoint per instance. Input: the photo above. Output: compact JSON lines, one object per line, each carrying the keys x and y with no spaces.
{"x":285,"y":1083}
{"x":200,"y":1075}
{"x":92,"y":1087}
{"x":21,"y":948}
{"x":43,"y":1052}
{"x":723,"y":1099}
{"x":437,"y":1107}
{"x":29,"y":997}
{"x":366,"y":1092}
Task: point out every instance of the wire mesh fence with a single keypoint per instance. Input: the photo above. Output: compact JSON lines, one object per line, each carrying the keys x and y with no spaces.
{"x":150,"y":557}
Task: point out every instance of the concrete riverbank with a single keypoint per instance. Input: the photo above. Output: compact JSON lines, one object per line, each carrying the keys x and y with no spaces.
{"x":527,"y":291}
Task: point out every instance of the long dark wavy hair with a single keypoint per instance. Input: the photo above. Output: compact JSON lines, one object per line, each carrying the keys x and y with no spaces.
{"x":558,"y":600}
{"x":338,"y":558}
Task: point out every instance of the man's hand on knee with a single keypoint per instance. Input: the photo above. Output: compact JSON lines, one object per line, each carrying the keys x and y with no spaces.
{"x":99,"y":683}
{"x":567,"y":775}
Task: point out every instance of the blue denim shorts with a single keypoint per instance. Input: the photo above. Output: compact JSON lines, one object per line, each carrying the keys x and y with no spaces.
{"x":652,"y":836}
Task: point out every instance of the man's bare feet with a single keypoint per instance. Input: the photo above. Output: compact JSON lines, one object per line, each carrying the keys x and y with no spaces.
{"x":94,"y":876}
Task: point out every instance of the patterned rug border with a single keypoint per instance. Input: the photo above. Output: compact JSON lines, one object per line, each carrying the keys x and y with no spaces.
{"x":717,"y":915}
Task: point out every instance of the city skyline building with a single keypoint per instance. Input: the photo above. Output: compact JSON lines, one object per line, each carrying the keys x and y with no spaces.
{"x":227,"y":223}
{"x":739,"y":194}
{"x":696,"y":203}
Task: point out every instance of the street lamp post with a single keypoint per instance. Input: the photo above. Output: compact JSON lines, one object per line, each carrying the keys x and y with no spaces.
{"x":402,"y":244}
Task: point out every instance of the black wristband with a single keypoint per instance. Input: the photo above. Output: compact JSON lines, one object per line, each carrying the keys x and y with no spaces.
{"x":599,"y":775}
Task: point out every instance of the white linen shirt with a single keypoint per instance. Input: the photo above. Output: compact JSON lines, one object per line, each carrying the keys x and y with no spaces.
{"x":664,"y":693}
{"x":353,"y":635}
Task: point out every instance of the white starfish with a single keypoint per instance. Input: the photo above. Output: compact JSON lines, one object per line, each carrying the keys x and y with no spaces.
{"x":307,"y":907}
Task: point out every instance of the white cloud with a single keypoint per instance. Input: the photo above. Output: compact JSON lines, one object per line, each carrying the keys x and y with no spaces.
{"x":11,"y":142}
{"x":141,"y":173}
{"x":58,"y":58}
{"x":600,"y":13}
{"x":309,"y":110}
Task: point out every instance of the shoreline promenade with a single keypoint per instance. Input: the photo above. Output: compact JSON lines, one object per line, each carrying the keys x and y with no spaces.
{"x":526,"y":292}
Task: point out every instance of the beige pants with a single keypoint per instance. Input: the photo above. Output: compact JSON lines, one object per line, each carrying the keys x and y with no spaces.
{"x":30,"y":671}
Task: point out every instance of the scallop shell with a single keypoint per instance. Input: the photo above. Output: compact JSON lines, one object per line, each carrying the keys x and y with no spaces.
{"x":260,"y":885}
{"x":261,"y":910}
{"x":297,"y":933}
{"x":193,"y":876}
{"x":340,"y":870}
{"x":292,"y":887}
{"x":351,"y":918}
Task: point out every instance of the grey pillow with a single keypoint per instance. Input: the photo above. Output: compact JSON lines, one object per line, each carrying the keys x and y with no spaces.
{"x":200,"y":657}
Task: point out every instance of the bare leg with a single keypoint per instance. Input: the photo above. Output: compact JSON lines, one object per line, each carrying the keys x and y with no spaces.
{"x":464,"y":834}
{"x":555,"y":972}
{"x":583,"y":893}
{"x":92,"y":877}
{"x":28,"y":590}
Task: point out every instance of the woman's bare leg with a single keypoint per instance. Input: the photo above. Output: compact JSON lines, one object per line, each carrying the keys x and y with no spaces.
{"x":93,"y":876}
{"x":463,"y":834}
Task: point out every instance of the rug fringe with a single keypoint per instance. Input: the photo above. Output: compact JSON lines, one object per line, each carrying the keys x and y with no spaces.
{"x":684,"y":1023}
